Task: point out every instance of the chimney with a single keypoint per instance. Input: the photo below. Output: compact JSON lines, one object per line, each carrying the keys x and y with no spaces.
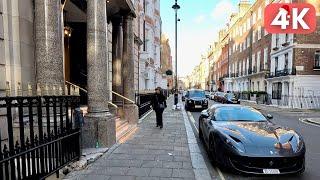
{"x":244,"y":5}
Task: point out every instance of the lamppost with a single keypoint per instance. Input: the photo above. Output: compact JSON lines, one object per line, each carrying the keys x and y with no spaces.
{"x":176,"y":7}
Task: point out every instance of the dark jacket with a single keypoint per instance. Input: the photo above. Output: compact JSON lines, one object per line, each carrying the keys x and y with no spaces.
{"x":157,"y":99}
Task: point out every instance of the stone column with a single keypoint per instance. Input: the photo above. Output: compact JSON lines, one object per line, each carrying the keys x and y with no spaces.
{"x":117,"y":56}
{"x":99,"y":129}
{"x":48,"y":42}
{"x":130,"y":110}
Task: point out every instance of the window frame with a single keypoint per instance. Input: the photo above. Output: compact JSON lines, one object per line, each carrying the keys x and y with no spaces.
{"x":317,"y":60}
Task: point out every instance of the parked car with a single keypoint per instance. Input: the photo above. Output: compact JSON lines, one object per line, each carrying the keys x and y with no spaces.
{"x":244,"y":140}
{"x":183,"y":96}
{"x":219,"y":96}
{"x":207,"y":93}
{"x":230,"y":98}
{"x":195,"y":99}
{"x":212,"y":95}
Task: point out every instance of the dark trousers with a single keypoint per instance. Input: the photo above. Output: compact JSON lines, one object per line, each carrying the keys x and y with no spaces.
{"x":159,"y":113}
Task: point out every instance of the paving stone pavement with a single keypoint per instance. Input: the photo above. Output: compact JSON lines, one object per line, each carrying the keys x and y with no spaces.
{"x":150,"y":154}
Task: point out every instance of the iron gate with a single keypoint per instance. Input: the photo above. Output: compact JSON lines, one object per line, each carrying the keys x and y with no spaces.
{"x":41,"y":136}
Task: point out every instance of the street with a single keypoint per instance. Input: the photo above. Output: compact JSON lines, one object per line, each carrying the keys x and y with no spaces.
{"x":286,"y":118}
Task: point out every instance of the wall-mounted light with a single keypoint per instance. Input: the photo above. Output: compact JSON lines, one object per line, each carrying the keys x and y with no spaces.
{"x":67,"y":31}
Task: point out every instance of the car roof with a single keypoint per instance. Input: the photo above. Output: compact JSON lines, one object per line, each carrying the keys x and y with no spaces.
{"x":215,"y":106}
{"x":195,"y":90}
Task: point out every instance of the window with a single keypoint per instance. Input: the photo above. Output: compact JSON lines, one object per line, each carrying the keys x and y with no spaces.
{"x":286,"y":60}
{"x":265,"y":32}
{"x":252,"y":88}
{"x":277,"y":40}
{"x":276,"y":63}
{"x":265,"y":59}
{"x":287,"y":38}
{"x":317,"y":60}
{"x":254,"y":18}
{"x":258,"y":85}
{"x":259,"y":13}
{"x":276,"y":90}
{"x":258,"y":60}
{"x":253,"y":63}
{"x":259,"y":32}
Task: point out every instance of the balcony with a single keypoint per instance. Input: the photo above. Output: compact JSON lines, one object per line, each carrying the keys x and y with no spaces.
{"x":284,"y":72}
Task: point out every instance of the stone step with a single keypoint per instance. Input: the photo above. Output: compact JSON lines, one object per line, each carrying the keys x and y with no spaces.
{"x":120,"y":124}
{"x":125,"y":132}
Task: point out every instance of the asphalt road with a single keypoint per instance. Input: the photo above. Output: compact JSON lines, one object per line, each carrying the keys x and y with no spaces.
{"x":310,"y":133}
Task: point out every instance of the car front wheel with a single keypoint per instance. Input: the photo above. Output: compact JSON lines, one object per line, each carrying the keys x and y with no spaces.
{"x":212,"y":152}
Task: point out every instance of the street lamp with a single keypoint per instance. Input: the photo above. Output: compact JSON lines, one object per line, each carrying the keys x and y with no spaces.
{"x":176,"y":7}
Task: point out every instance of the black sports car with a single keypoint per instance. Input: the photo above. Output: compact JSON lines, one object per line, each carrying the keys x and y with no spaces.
{"x":195,"y":99}
{"x":242,"y":139}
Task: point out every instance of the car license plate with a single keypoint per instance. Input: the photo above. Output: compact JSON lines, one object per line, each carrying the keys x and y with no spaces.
{"x":198,"y":106}
{"x":271,"y":171}
{"x":235,"y":101}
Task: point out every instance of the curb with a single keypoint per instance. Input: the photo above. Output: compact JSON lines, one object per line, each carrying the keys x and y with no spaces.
{"x":200,"y":170}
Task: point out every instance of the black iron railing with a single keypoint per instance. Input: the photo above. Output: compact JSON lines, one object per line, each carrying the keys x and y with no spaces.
{"x":284,"y":72}
{"x":144,"y":103}
{"x":42,"y":139}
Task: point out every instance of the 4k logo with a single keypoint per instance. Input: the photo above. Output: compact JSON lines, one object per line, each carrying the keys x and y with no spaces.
{"x":298,"y":18}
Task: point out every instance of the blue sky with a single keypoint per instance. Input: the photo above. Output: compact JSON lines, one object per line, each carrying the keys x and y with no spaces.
{"x":200,"y":22}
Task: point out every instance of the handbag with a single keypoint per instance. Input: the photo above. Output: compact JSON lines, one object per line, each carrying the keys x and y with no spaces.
{"x":160,"y":105}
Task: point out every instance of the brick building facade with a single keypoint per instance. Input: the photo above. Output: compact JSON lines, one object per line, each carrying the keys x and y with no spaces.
{"x":285,"y":67}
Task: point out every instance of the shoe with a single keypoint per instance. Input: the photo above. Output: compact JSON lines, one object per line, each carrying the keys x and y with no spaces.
{"x":157,"y":125}
{"x":161,"y":127}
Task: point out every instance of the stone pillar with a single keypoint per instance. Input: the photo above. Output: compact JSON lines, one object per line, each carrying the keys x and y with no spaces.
{"x":99,"y":129}
{"x":117,"y":56}
{"x":48,"y":42}
{"x":130,"y":110}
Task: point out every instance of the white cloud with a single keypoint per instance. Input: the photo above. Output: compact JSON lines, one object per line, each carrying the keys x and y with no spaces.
{"x":200,"y":19}
{"x":223,"y":10}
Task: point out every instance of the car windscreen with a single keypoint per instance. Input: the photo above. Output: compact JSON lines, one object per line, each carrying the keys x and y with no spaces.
{"x":197,"y":94}
{"x":238,"y":114}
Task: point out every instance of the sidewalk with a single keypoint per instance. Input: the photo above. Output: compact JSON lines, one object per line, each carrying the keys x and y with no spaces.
{"x":151,"y":154}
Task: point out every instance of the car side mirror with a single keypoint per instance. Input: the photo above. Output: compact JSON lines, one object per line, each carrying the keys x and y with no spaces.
{"x":269,"y":116}
{"x":204,"y":114}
